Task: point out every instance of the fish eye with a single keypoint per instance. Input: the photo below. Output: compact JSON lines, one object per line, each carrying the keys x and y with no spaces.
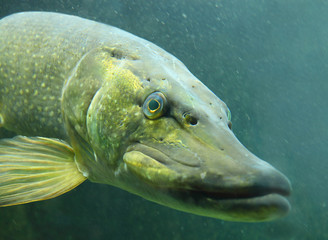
{"x":154,"y":105}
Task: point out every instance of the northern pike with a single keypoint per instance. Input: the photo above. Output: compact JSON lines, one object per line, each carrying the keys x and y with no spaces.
{"x":90,"y":101}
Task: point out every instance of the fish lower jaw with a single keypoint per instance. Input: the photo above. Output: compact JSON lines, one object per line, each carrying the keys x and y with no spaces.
{"x":258,"y":208}
{"x":255,"y":209}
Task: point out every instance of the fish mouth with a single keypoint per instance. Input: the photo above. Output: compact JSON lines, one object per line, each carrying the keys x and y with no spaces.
{"x":251,"y":193}
{"x":259,"y":208}
{"x":189,"y":185}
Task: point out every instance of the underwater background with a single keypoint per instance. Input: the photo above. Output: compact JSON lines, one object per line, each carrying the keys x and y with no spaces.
{"x":267,"y":59}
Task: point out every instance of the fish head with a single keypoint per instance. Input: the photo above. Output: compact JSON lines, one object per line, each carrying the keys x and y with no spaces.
{"x":160,"y":133}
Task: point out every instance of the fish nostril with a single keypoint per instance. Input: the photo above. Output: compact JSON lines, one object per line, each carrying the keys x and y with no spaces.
{"x":193,"y":121}
{"x":230,"y":125}
{"x":190,"y":119}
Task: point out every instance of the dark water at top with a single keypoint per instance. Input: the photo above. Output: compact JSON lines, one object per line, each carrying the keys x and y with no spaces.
{"x":268,"y":60}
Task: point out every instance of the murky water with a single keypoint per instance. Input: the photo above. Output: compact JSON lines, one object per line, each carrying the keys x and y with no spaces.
{"x":268,"y":60}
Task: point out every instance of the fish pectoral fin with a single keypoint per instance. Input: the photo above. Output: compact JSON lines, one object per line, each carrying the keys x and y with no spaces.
{"x":35,"y":169}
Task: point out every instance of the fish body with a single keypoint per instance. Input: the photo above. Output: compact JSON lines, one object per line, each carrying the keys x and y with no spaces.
{"x":91,"y":101}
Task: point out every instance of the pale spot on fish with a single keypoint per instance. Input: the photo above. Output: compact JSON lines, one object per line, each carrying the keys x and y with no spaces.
{"x":2,"y":121}
{"x":95,"y":156}
{"x":85,"y":174}
{"x":117,"y":172}
{"x":203,"y":175}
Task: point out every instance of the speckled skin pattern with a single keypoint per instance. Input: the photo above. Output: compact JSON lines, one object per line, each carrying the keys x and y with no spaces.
{"x":38,"y":53}
{"x":36,"y":58}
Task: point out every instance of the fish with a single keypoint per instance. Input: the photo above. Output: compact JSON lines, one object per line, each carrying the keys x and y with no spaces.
{"x":86,"y":100}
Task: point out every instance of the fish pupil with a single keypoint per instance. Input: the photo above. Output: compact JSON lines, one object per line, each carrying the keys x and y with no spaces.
{"x":153,"y":105}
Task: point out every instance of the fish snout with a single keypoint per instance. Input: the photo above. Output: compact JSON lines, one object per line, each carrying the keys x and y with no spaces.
{"x":271,"y":181}
{"x":229,"y":183}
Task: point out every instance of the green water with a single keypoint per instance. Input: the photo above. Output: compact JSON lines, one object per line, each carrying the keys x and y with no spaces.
{"x":268,"y":60}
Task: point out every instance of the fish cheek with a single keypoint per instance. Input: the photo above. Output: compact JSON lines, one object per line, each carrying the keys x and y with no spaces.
{"x":164,"y":130}
{"x":114,"y":115}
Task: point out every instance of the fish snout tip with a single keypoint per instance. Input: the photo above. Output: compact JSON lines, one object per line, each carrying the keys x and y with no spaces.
{"x":273,"y":181}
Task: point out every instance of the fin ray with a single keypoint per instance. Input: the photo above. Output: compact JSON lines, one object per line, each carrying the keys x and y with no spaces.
{"x":36,"y":168}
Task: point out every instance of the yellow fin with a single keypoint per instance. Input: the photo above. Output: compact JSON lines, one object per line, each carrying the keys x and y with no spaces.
{"x":36,"y":168}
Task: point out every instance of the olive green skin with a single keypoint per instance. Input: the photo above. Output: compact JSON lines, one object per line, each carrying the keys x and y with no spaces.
{"x":74,"y":79}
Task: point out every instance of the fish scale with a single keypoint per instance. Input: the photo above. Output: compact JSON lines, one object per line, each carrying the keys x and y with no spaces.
{"x":32,"y":74}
